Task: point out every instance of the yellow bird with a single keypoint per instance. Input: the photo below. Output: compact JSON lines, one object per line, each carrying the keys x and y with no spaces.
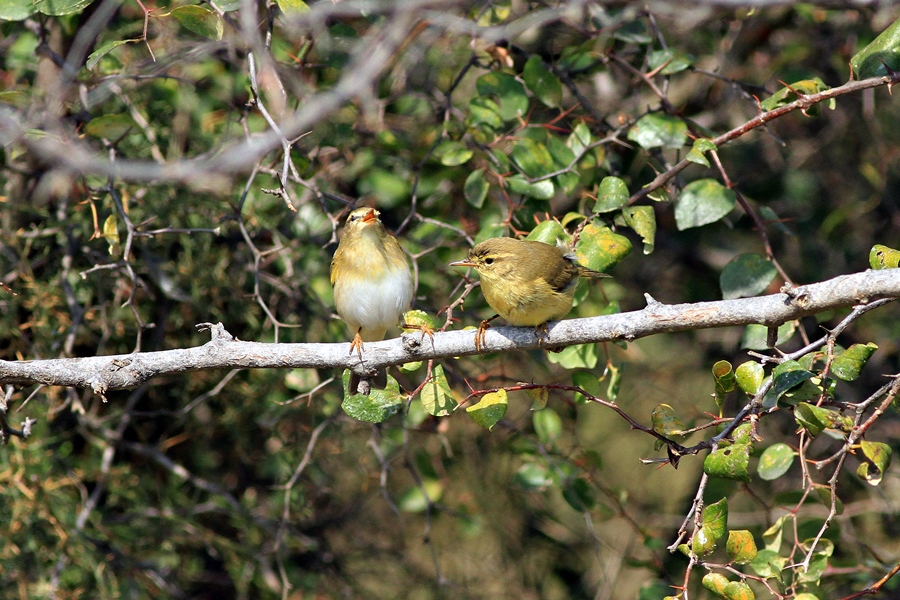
{"x":528,"y":283}
{"x":372,"y":282}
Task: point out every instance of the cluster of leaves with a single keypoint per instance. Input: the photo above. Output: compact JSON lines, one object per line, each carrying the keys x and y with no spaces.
{"x":603,"y":131}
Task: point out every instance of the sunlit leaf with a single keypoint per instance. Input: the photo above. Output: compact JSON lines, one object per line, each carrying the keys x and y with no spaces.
{"x":436,"y":395}
{"x":58,"y":8}
{"x":730,"y":462}
{"x":702,"y":202}
{"x":658,"y":131}
{"x":513,"y":101}
{"x":882,"y":257}
{"x":600,"y":249}
{"x":740,"y":546}
{"x":490,"y":409}
{"x":665,"y":421}
{"x":775,"y":461}
{"x":452,"y":153}
{"x":848,"y":364}
{"x":612,"y":195}
{"x":200,"y":20}
{"x":642,"y":219}
{"x":379,"y":406}
{"x":698,"y":151}
{"x":881,"y":54}
{"x":749,"y":376}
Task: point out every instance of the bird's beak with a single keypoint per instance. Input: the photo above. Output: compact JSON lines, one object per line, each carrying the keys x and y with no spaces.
{"x":370,"y":216}
{"x":462,"y":263}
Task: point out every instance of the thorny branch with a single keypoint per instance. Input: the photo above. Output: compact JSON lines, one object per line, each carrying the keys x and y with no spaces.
{"x":104,"y":373}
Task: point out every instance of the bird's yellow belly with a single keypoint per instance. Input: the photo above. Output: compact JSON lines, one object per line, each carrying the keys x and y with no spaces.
{"x":524,"y":311}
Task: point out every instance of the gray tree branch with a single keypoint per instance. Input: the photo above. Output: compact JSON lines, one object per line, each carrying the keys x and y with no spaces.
{"x":223,"y":351}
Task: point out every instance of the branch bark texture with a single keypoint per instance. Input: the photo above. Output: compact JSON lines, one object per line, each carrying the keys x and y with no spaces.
{"x":124,"y":371}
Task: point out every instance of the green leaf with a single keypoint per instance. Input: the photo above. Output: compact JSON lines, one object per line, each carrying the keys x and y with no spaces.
{"x":580,"y":356}
{"x":715,"y":582}
{"x":508,"y":90}
{"x":749,"y":376}
{"x":476,"y":188}
{"x":587,"y":381}
{"x":788,"y":94}
{"x":484,"y":112}
{"x":739,"y":590}
{"x":612,"y":195}
{"x":666,"y":422}
{"x":634,"y":32}
{"x":774,"y":534}
{"x":542,"y":190}
{"x":725,"y":380}
{"x":111,"y":235}
{"x":490,"y":409}
{"x":579,"y":494}
{"x":58,"y":8}
{"x":419,"y":497}
{"x":16,"y":10}
{"x":882,"y":257}
{"x":883,"y":50}
{"x":698,"y":151}
{"x":200,"y":20}
{"x":658,"y":131}
{"x":600,"y":249}
{"x":548,"y":232}
{"x":110,"y":127}
{"x":731,"y":462}
{"x":755,"y":336}
{"x":533,"y":158}
{"x":713,"y":526}
{"x":542,"y":82}
{"x":746,"y":275}
{"x":788,"y":375}
{"x":580,"y":138}
{"x":452,"y":153}
{"x":815,"y":419}
{"x":768,"y":563}
{"x":377,"y":407}
{"x":775,"y":461}
{"x":94,"y":58}
{"x":547,"y":425}
{"x":702,"y":202}
{"x":740,"y":547}
{"x":436,"y":395}
{"x":418,"y":318}
{"x":675,"y":61}
{"x":642,"y":219}
{"x":848,"y":364}
{"x":533,"y":477}
{"x":539,"y":397}
{"x":879,"y":456}
{"x":388,"y":188}
{"x":293,"y":7}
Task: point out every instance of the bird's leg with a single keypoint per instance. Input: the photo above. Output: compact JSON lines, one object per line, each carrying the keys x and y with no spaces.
{"x":357,"y":344}
{"x":541,"y":331}
{"x":479,"y":335}
{"x":424,"y":328}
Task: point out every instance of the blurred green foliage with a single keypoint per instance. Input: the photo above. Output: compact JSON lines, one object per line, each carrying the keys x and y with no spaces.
{"x":255,"y":484}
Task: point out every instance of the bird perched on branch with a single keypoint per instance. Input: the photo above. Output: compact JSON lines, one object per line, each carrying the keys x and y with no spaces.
{"x":528,"y":283}
{"x":372,"y":282}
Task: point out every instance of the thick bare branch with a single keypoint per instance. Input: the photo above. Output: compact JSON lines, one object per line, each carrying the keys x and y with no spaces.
{"x":103,"y":373}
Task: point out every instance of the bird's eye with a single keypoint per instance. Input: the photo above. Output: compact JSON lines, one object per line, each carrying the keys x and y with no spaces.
{"x":489,"y":261}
